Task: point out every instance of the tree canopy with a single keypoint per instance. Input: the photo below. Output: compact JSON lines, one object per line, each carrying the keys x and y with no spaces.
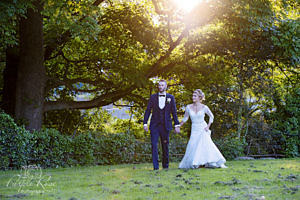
{"x":105,"y":51}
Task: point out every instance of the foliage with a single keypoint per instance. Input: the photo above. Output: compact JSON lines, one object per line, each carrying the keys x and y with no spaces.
{"x":231,"y":147}
{"x":112,"y":51}
{"x":83,"y":149}
{"x":177,"y":147}
{"x":96,"y":55}
{"x":65,"y":121}
{"x":10,"y":14}
{"x":114,"y":148}
{"x":15,"y":143}
{"x":285,"y":123}
{"x":286,"y":37}
{"x":130,"y":126}
{"x":260,"y":138}
{"x":49,"y":148}
{"x":285,"y":31}
{"x":72,"y":122}
{"x":143,"y":152}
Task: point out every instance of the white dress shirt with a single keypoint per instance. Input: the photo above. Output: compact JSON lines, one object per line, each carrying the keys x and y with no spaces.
{"x":162,"y":100}
{"x":162,"y":103}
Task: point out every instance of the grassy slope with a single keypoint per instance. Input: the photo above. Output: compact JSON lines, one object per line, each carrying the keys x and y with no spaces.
{"x":273,"y":179}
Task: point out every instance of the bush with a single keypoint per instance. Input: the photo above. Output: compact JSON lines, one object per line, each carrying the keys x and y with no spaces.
{"x":231,"y":147}
{"x":114,"y":148}
{"x":143,"y":152}
{"x":83,"y":149}
{"x":15,"y":143}
{"x":177,"y":147}
{"x":285,"y":123}
{"x":50,"y":148}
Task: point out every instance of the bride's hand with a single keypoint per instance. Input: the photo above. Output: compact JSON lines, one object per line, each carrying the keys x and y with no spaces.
{"x":206,"y":128}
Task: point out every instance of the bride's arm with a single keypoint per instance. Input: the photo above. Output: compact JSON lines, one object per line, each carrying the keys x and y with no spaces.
{"x":211,"y":116}
{"x":186,"y":116}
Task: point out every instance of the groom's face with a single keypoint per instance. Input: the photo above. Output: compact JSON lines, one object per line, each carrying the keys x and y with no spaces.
{"x":162,"y":86}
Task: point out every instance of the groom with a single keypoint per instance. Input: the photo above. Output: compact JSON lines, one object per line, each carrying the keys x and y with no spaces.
{"x":162,"y":105}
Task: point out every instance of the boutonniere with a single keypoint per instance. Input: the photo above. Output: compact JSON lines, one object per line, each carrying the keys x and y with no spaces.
{"x":168,"y":100}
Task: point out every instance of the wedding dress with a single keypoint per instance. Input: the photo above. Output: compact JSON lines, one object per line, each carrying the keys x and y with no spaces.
{"x":200,"y":149}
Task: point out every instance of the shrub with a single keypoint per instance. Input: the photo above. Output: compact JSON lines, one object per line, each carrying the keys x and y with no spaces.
{"x":15,"y":143}
{"x":83,"y":149}
{"x":50,"y":148}
{"x":143,"y":152}
{"x":177,"y":147}
{"x":285,"y":123}
{"x":231,"y":147}
{"x":114,"y":148}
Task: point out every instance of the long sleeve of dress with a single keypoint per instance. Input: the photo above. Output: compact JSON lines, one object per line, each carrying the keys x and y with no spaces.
{"x":186,"y":115}
{"x":210,"y":114}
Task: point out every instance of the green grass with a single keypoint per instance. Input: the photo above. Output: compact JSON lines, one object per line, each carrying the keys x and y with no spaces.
{"x":273,"y":179}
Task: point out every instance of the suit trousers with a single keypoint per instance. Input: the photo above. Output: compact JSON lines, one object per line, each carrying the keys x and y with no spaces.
{"x":156,"y":133}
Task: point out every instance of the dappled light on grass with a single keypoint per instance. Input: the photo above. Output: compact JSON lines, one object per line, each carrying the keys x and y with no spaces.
{"x":294,"y":166}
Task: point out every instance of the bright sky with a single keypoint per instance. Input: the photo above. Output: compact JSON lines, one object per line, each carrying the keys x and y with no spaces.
{"x":187,"y":5}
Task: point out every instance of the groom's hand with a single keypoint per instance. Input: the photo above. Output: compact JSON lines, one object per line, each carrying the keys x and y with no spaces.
{"x":177,"y":129}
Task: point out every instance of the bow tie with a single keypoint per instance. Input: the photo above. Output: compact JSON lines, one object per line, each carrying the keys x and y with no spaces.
{"x":162,"y":95}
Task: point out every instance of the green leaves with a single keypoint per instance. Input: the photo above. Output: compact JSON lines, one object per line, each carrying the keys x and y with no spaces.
{"x":10,"y":13}
{"x":285,"y":36}
{"x":14,"y":143}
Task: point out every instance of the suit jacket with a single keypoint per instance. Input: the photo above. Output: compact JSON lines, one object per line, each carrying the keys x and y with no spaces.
{"x":170,"y":108}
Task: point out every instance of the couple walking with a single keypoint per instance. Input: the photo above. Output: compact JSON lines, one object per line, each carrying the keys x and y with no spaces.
{"x":200,"y":151}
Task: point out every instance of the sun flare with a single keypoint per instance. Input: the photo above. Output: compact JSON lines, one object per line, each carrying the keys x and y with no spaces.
{"x":186,"y":5}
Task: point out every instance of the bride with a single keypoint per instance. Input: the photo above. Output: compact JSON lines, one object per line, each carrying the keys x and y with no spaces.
{"x":200,"y":151}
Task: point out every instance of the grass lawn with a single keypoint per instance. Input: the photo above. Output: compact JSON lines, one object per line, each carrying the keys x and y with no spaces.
{"x":254,"y":179}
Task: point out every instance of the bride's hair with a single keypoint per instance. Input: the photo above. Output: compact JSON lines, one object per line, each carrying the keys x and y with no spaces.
{"x":200,"y":94}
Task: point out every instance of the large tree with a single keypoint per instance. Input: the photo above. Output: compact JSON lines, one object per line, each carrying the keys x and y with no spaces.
{"x":109,"y":50}
{"x":106,"y":51}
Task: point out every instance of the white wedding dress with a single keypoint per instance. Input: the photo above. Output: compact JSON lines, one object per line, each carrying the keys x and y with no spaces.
{"x":200,"y":149}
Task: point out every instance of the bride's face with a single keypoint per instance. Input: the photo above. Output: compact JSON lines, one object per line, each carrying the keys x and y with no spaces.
{"x":195,"y":98}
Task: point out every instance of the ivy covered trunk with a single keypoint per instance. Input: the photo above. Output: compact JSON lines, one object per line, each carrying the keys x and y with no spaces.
{"x":31,"y":75}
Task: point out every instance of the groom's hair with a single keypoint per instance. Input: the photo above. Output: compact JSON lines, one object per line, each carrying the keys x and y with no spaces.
{"x":162,"y":80}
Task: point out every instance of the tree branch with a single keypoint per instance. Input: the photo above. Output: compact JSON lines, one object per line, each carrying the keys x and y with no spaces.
{"x":167,"y":54}
{"x":157,"y":9}
{"x":77,"y":61}
{"x":63,"y":38}
{"x":102,"y":100}
{"x":69,"y":82}
{"x":169,"y":31}
{"x":98,"y":2}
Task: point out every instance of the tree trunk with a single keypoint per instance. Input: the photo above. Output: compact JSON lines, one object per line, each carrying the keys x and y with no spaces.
{"x":239,"y":121}
{"x":10,"y":81}
{"x":31,"y":72}
{"x":240,"y":108}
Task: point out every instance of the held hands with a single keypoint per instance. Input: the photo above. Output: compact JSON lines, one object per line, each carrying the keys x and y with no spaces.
{"x":146,"y":128}
{"x":177,"y":129}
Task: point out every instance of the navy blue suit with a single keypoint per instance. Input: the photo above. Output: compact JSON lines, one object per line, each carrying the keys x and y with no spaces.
{"x":160,"y":126}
